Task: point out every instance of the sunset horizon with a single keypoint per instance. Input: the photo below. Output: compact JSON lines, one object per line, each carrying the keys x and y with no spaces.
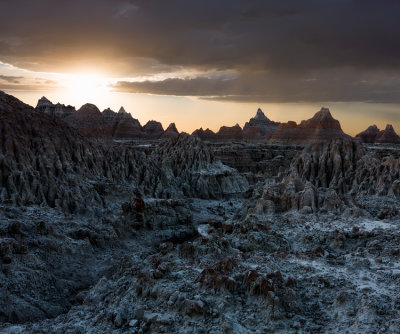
{"x":201,"y":70}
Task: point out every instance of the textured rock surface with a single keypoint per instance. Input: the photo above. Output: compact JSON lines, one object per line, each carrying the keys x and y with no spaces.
{"x":127,"y":127}
{"x":387,"y":136}
{"x":57,"y":110}
{"x":171,"y":131}
{"x":89,"y":121}
{"x":153,"y":129}
{"x":259,"y":127}
{"x":230,"y":132}
{"x":182,"y":235}
{"x":322,"y":126}
{"x":122,"y":125}
{"x":369,"y":135}
{"x":334,"y":175}
{"x":374,"y":135}
{"x":206,"y":134}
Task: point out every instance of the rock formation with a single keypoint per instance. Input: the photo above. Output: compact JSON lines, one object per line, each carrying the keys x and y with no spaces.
{"x":57,"y":110}
{"x":153,"y":130}
{"x":122,"y":125}
{"x":230,"y":132}
{"x":109,"y":117}
{"x":89,"y":121}
{"x":324,"y":175}
{"x":170,"y":132}
{"x":127,"y":127}
{"x":387,"y":136}
{"x":369,"y":135}
{"x":204,"y":134}
{"x":259,"y":127}
{"x":184,"y":235}
{"x":322,"y":126}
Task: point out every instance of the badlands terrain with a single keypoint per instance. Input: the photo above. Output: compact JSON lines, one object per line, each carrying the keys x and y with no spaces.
{"x":108,"y":226}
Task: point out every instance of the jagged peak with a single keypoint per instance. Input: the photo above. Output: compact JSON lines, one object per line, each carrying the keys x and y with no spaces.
{"x":260,"y":115}
{"x":323,"y":114}
{"x":44,"y":99}
{"x":389,"y":127}
{"x":122,"y":111}
{"x":172,"y":128}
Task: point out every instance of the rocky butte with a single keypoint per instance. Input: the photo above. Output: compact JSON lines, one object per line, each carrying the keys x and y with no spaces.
{"x":170,"y":233}
{"x":259,"y":127}
{"x":374,"y":135}
{"x":322,"y":126}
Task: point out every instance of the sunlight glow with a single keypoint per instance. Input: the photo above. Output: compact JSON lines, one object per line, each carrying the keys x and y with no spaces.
{"x":87,"y":87}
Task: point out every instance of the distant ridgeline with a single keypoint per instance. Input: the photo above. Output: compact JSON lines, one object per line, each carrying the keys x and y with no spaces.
{"x":121,"y":125}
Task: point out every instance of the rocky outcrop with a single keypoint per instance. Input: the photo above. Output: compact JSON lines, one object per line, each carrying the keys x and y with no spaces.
{"x":153,"y":130}
{"x":109,"y":116}
{"x":9,"y":104}
{"x":44,"y":105}
{"x":170,"y":132}
{"x":100,"y":237}
{"x":369,"y":135}
{"x":44,"y":161}
{"x":89,"y":121}
{"x":259,"y":127}
{"x":230,"y":132}
{"x":58,"y":110}
{"x":322,"y":126}
{"x":330,"y":176}
{"x":185,"y":167}
{"x":387,"y":136}
{"x":374,"y":135}
{"x":206,"y":134}
{"x":127,"y":127}
{"x":122,"y":125}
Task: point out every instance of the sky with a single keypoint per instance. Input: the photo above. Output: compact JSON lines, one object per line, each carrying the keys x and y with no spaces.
{"x":208,"y":63}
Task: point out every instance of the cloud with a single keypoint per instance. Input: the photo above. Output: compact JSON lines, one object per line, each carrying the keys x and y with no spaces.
{"x":10,"y":78}
{"x":20,"y":83}
{"x":290,"y":41}
{"x":280,"y":86}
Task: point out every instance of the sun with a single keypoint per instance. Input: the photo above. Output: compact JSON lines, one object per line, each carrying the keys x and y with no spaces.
{"x":86,"y":87}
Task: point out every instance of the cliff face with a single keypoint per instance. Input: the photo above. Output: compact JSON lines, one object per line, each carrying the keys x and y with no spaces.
{"x":322,"y":126}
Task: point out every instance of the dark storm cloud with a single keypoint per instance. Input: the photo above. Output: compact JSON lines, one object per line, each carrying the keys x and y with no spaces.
{"x":261,"y":39}
{"x":329,"y":85}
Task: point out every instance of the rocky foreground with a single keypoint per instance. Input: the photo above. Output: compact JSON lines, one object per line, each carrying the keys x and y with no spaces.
{"x":188,"y":236}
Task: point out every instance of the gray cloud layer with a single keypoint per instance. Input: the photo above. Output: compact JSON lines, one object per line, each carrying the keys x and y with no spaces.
{"x":311,"y":50}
